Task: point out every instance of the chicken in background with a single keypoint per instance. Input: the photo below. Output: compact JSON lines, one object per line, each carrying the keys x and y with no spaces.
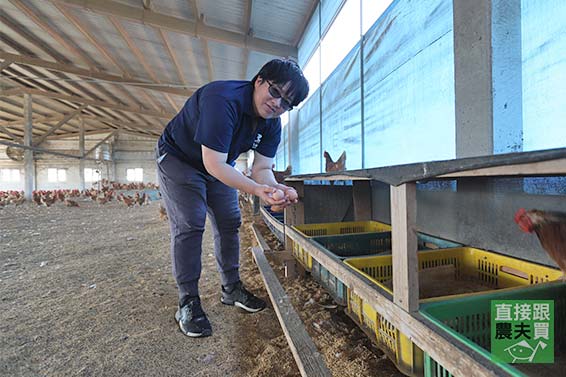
{"x":71,"y":203}
{"x":126,"y":199}
{"x":163,"y":213}
{"x":281,"y":175}
{"x":339,"y":165}
{"x":550,"y":228}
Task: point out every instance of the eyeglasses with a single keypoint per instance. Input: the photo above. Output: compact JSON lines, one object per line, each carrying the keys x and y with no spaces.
{"x":275,"y":93}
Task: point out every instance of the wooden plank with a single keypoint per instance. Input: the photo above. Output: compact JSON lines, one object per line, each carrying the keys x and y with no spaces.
{"x":271,"y":220}
{"x":295,"y":214}
{"x":307,"y":357}
{"x":509,"y":164}
{"x":554,"y":167}
{"x":344,"y":176}
{"x":457,"y":358}
{"x":404,"y":245}
{"x":362,"y":200}
{"x":261,"y":242}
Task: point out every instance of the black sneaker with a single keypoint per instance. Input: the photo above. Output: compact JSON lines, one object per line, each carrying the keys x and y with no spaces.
{"x":192,"y":320}
{"x":235,"y":294}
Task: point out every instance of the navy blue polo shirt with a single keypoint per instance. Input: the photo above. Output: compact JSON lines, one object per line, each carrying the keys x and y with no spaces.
{"x":219,"y":115}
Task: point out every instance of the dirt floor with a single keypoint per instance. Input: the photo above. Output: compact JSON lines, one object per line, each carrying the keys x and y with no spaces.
{"x":88,"y":292}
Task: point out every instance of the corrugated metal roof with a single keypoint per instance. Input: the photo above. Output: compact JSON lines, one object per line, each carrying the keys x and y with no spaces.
{"x":176,"y":8}
{"x":226,"y":60}
{"x":276,"y":21}
{"x":105,"y":56}
{"x":224,"y":14}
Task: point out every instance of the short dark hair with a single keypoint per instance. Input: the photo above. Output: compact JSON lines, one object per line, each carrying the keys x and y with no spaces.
{"x":281,"y":71}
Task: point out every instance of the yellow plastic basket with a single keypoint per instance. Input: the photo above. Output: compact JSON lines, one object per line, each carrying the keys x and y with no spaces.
{"x":494,"y":270}
{"x":327,"y":229}
{"x":399,"y":348}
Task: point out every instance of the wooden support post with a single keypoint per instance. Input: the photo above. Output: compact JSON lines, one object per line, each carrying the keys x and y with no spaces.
{"x":404,"y":244}
{"x":82,"y":154}
{"x":255,"y":204}
{"x":295,"y":214}
{"x":362,"y":200}
{"x":29,"y":166}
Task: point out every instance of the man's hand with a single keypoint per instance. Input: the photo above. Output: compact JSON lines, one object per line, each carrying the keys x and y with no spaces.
{"x":291,"y":197}
{"x":270,"y":195}
{"x":291,"y":194}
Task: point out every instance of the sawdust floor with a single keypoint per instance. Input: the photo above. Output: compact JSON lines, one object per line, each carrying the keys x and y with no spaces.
{"x":88,"y":292}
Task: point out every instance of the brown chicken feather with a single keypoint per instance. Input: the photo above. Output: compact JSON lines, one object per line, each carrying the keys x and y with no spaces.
{"x":281,"y":175}
{"x":550,"y":228}
{"x":339,"y":165}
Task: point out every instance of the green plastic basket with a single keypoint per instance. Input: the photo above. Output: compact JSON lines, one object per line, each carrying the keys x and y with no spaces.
{"x":353,"y":245}
{"x":468,"y":319}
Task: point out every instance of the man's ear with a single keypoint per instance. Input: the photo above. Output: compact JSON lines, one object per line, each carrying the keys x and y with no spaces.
{"x":258,"y":82}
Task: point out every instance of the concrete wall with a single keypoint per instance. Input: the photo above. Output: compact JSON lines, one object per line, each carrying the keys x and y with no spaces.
{"x":479,"y":214}
{"x":128,"y":151}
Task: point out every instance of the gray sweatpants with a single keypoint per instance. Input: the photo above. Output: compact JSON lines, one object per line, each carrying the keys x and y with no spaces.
{"x":188,"y":196}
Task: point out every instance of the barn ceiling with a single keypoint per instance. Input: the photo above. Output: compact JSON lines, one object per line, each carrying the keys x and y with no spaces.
{"x":129,"y":65}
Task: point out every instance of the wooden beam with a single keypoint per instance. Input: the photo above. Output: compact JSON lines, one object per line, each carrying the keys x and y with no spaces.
{"x":308,"y":359}
{"x":328,"y":177}
{"x":56,"y":36}
{"x":133,"y":48}
{"x":138,"y":54}
{"x":98,"y":132}
{"x":172,"y":103}
{"x":67,"y":118}
{"x":9,"y":133}
{"x":92,"y":39}
{"x":554,"y":167}
{"x":457,"y":358}
{"x":100,"y":143}
{"x":57,"y":89}
{"x":64,"y":97}
{"x":41,"y":150}
{"x":5,"y":64}
{"x":196,"y":29}
{"x":84,"y":31}
{"x":105,"y":77}
{"x":404,"y":245}
{"x":56,"y":118}
{"x":172,"y":55}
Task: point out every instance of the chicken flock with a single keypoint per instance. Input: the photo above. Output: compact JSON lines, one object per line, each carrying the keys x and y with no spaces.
{"x":70,"y":197}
